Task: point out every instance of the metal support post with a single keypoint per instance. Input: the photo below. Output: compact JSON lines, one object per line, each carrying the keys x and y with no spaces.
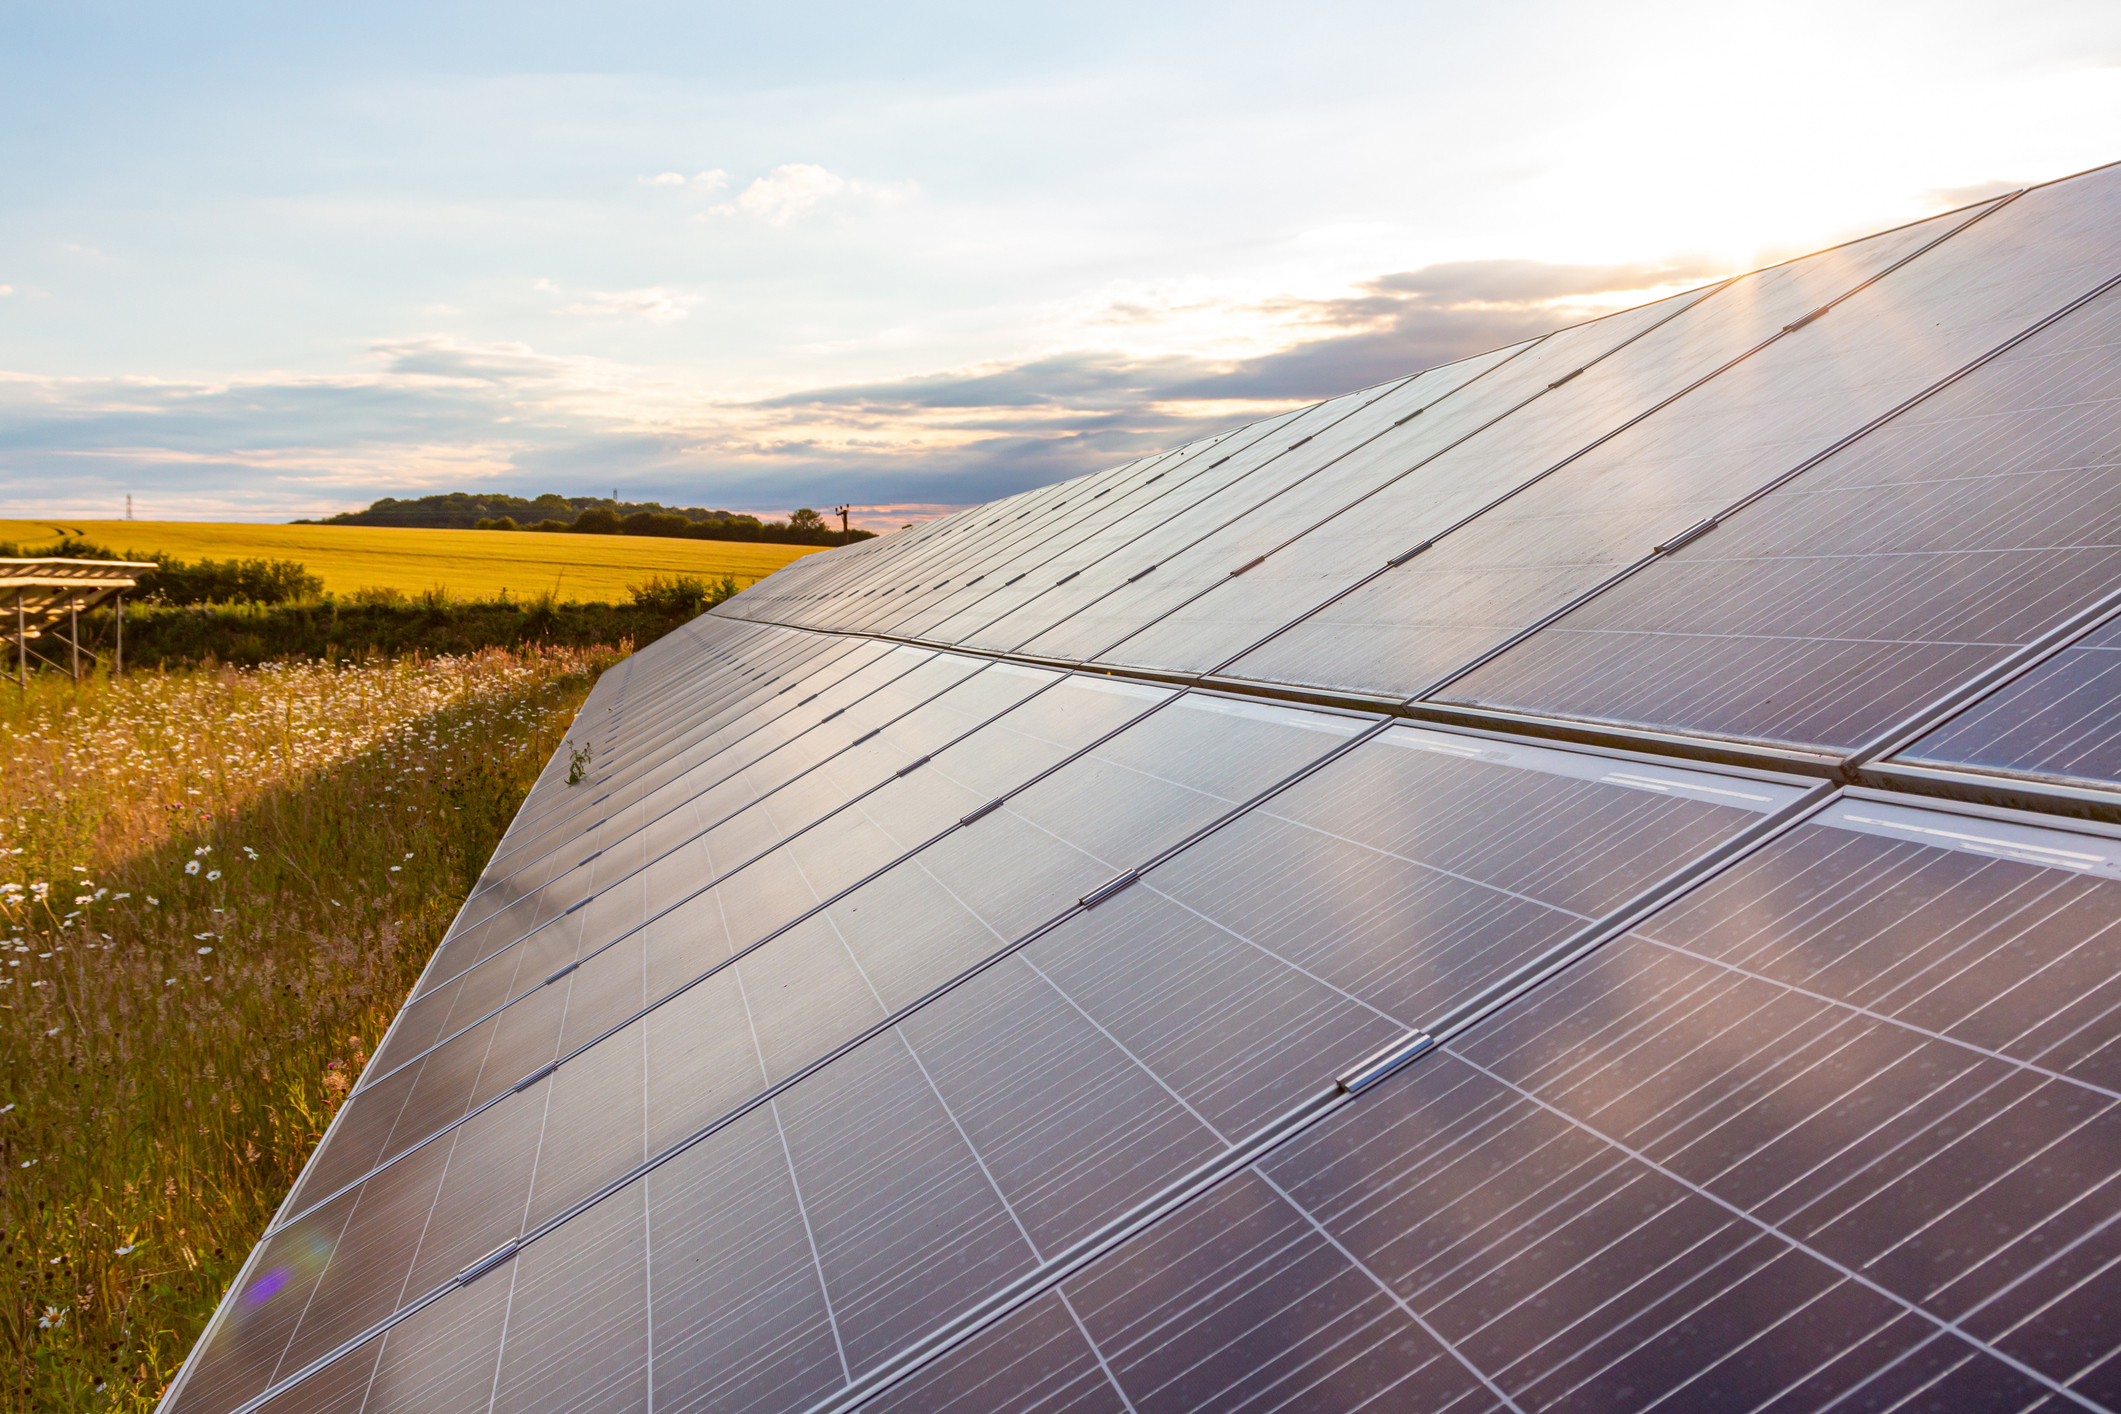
{"x":117,"y":662}
{"x":73,"y":628}
{"x":21,"y":645}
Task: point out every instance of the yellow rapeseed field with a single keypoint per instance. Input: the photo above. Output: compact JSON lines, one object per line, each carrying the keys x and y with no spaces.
{"x":470,"y":564}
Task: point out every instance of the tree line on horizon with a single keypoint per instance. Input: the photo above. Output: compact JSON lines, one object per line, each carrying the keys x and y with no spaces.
{"x":592,"y":515}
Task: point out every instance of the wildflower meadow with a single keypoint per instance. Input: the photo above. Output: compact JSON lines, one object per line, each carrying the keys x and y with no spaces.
{"x":215,"y":887}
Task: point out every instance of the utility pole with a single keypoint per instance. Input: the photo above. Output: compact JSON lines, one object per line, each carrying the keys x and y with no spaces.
{"x":841,"y":512}
{"x":128,"y":505}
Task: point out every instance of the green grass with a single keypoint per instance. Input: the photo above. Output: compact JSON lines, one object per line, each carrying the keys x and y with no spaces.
{"x":224,"y":883}
{"x":467,"y":564}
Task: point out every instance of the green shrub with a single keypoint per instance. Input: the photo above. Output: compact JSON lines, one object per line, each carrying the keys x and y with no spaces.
{"x":685,"y":595}
{"x":180,"y":582}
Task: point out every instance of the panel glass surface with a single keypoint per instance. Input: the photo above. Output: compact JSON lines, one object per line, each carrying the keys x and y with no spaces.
{"x":1836,"y":1131}
{"x":902,"y":566}
{"x":676,"y":743}
{"x":1851,"y":597}
{"x":1069,"y":1080}
{"x":1023,"y":554}
{"x":2060,"y":722}
{"x":487,"y":924}
{"x":783,"y":1007}
{"x":1325,"y":475}
{"x":1267,"y":465}
{"x":1764,"y":416}
{"x":910,"y":557}
{"x":884,"y":608}
{"x":633,"y":951}
{"x":1245,"y":452}
{"x":933,"y":700}
{"x":1565,"y":391}
{"x":721,"y":836}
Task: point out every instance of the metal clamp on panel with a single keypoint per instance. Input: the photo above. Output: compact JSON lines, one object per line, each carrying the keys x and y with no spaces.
{"x":563,"y":972}
{"x":1564,"y":378}
{"x":1158,"y":477}
{"x":1690,"y":533}
{"x":1252,"y":563}
{"x":1104,"y":891}
{"x":1800,"y":323}
{"x":974,"y":580}
{"x":534,"y":1077}
{"x":1007,"y":582}
{"x":1300,"y":441}
{"x":911,"y":766}
{"x":577,"y":905}
{"x":1065,"y":578}
{"x":830,"y":715}
{"x":1383,"y":1063}
{"x":1405,"y":555}
{"x":1139,"y":573}
{"x":865,"y":736}
{"x":989,"y":808}
{"x":1409,"y":417}
{"x":1212,"y":465}
{"x":488,"y":1262}
{"x":811,"y":698}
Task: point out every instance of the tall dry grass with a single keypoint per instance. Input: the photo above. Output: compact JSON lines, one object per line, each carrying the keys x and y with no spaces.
{"x":215,"y":888}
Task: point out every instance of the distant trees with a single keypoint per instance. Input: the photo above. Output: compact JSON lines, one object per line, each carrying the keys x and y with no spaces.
{"x":593,"y":515}
{"x":652,"y":523}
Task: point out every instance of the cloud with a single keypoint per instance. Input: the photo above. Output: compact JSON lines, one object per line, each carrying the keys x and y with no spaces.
{"x":430,"y":412}
{"x":788,"y":191}
{"x":711,"y":180}
{"x":6,"y":290}
{"x":657,"y":304}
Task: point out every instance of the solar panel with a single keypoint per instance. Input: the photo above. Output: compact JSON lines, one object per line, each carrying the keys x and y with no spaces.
{"x":1836,"y":1130}
{"x":2060,"y":721}
{"x":1853,"y":595}
{"x":1456,"y":980}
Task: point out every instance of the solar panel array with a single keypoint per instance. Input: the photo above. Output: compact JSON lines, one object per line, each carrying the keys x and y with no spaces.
{"x":1583,"y":879}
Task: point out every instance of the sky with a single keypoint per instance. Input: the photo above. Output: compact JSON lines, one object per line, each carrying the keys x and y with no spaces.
{"x":266,"y":261}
